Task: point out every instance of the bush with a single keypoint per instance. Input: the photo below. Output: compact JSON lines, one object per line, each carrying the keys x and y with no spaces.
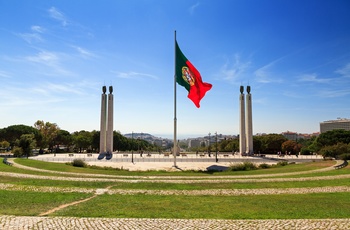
{"x":264,"y":166}
{"x":17,"y":152}
{"x":79,"y":163}
{"x":282,"y":163}
{"x":344,"y":156}
{"x":245,"y":166}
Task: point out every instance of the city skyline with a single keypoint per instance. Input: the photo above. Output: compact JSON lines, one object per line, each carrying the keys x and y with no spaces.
{"x":56,"y":56}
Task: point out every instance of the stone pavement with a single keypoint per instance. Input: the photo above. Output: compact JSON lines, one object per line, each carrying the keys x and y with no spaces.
{"x":70,"y":223}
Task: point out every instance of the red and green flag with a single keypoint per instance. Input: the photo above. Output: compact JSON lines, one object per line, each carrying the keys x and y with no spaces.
{"x":189,"y":77}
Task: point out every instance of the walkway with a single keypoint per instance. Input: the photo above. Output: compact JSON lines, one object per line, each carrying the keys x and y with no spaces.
{"x":70,"y":223}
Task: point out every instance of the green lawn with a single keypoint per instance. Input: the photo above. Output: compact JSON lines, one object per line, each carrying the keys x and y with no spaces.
{"x":33,"y":203}
{"x":309,"y":206}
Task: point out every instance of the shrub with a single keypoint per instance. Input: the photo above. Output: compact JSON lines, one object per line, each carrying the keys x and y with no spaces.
{"x":344,"y":156}
{"x":245,"y":166}
{"x":17,"y":152}
{"x":79,"y":163}
{"x":282,"y":163}
{"x":264,"y":166}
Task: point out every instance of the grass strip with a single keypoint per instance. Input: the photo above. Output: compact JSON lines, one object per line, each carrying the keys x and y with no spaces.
{"x":33,"y":203}
{"x":305,"y":206}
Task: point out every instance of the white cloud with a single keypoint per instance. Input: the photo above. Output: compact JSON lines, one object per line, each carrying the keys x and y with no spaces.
{"x":49,"y":59}
{"x":4,"y":74}
{"x":57,"y":15}
{"x":313,"y":78}
{"x":193,"y":7}
{"x":334,"y":93}
{"x":345,"y":71}
{"x":233,"y":71}
{"x":37,"y":29}
{"x":134,"y":75}
{"x":265,"y":74}
{"x":83,"y":52}
{"x":31,"y":37}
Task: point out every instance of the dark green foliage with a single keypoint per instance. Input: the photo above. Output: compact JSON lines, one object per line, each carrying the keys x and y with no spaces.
{"x":79,"y":163}
{"x":264,"y":166}
{"x":14,"y":132}
{"x":344,"y":156}
{"x":334,"y":137}
{"x":282,"y":163}
{"x":245,"y":166}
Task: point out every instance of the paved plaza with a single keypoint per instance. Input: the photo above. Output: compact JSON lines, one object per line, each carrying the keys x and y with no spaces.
{"x":156,"y":161}
{"x":70,"y":223}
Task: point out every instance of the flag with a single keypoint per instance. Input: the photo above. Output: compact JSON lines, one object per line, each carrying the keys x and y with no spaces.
{"x":189,"y":77}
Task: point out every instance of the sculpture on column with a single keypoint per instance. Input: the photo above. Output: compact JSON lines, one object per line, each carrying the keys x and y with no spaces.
{"x":106,"y":124}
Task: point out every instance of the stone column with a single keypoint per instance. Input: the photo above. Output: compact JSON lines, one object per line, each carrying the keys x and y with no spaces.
{"x":249,"y":122}
{"x":109,"y":141}
{"x":103,"y":123}
{"x":242,"y":134}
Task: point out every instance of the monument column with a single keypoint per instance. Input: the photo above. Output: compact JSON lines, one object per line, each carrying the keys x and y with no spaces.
{"x":249,"y":122}
{"x":109,"y":141}
{"x":242,"y":133}
{"x":103,"y":121}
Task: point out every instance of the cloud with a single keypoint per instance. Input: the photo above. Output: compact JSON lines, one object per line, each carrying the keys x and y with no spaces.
{"x":345,"y":71}
{"x":37,"y":29}
{"x":265,"y":74}
{"x":83,"y":52}
{"x":57,"y":15}
{"x":31,"y":37}
{"x":4,"y":74}
{"x":313,"y":78}
{"x":193,"y":7}
{"x":49,"y":59}
{"x":232,"y":72}
{"x":334,"y":93}
{"x":134,"y":75}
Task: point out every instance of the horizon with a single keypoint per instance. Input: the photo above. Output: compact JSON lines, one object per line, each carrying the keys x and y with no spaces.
{"x":56,"y":57}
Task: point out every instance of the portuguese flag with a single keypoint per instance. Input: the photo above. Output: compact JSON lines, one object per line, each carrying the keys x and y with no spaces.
{"x":189,"y":77}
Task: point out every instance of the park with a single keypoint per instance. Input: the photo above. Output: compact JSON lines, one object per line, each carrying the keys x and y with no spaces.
{"x":41,"y":194}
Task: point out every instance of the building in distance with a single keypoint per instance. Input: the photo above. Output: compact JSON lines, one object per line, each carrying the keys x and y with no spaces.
{"x":340,"y":123}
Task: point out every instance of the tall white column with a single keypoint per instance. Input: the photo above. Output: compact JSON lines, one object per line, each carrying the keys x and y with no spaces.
{"x":242,"y":133}
{"x":249,"y":123}
{"x":109,"y":141}
{"x":103,"y":121}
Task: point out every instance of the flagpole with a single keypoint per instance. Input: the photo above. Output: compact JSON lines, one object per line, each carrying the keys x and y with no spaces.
{"x":175,"y":119}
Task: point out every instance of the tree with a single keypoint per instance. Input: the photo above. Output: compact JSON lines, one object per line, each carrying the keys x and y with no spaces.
{"x":14,"y":132}
{"x":335,"y":150}
{"x":291,"y":146}
{"x":4,"y":145}
{"x":64,"y":138}
{"x":26,"y":143}
{"x":271,"y":143}
{"x":49,"y":133}
{"x":334,"y":137}
{"x":82,"y":140}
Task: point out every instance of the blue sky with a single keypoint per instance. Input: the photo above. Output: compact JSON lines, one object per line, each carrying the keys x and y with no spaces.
{"x":55,"y":56}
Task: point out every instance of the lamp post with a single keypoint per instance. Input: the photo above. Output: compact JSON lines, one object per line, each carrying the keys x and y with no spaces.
{"x":209,"y":145}
{"x":216,"y":140}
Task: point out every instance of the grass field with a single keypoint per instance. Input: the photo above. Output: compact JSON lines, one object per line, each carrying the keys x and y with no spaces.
{"x":28,"y":196}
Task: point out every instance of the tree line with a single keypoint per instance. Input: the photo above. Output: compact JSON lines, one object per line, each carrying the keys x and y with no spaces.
{"x":21,"y":139}
{"x":48,"y":137}
{"x":335,"y":144}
